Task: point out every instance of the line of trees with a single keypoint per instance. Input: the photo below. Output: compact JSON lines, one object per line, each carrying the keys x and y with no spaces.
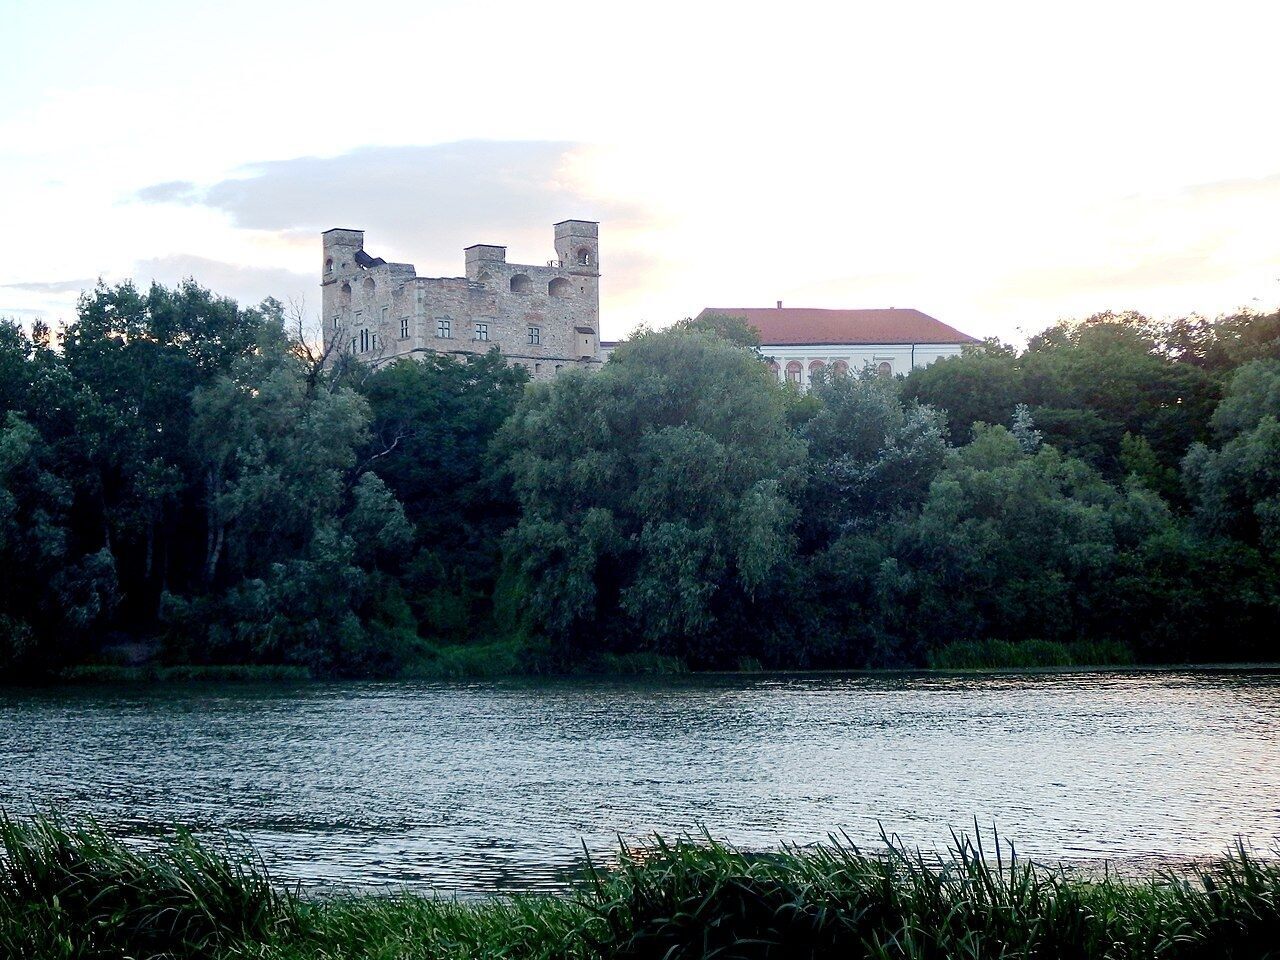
{"x":182,"y":480}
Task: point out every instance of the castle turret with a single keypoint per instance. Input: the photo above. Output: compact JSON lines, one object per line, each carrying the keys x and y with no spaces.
{"x":340,"y":266}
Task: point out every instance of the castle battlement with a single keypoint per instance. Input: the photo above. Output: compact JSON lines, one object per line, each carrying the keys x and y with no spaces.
{"x":545,"y":317}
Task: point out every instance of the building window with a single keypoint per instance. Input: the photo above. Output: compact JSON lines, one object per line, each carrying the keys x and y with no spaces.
{"x":444,"y":329}
{"x":839,"y":369}
{"x":885,"y":369}
{"x":337,"y":318}
{"x":520,"y":283}
{"x":364,"y":341}
{"x":774,"y":369}
{"x":535,"y":336}
{"x":353,"y":344}
{"x":794,"y":372}
{"x":328,"y":265}
{"x":482,"y":331}
{"x":404,"y":328}
{"x":559,"y":287}
{"x":537,"y":368}
{"x":559,"y":367}
{"x":584,"y":256}
{"x":384,"y":314}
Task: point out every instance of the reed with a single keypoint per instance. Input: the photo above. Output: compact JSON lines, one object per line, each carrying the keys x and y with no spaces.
{"x":73,"y":892}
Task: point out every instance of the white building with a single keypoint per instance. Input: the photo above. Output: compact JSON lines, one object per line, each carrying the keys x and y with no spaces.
{"x":798,"y":341}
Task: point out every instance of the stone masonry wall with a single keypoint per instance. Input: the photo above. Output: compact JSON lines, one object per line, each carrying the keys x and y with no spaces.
{"x":382,"y":311}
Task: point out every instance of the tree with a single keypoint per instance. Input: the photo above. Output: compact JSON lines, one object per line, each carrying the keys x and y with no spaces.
{"x":1236,"y":488}
{"x":654,"y":502}
{"x":737,"y":330}
{"x":982,"y":385}
{"x":433,"y":422}
{"x":870,"y":454}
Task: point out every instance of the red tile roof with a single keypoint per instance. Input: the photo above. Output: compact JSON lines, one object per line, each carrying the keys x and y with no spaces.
{"x":784,"y":326}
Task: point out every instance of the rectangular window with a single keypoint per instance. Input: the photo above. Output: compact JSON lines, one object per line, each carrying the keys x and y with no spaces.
{"x":364,"y":341}
{"x":337,"y":318}
{"x":443,"y":329}
{"x":482,"y":331}
{"x":404,"y":328}
{"x":384,"y":314}
{"x":535,"y":336}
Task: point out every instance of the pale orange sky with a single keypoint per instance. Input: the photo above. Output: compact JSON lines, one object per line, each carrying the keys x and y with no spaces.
{"x":998,"y":165}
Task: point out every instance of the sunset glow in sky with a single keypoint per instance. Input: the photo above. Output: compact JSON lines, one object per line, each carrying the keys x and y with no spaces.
{"x":997,"y":165}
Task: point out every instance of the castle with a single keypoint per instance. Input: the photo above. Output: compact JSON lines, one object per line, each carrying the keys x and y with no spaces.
{"x":544,"y":318}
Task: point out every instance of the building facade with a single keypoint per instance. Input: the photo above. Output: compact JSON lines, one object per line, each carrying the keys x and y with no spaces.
{"x":797,"y":342}
{"x":543,"y":317}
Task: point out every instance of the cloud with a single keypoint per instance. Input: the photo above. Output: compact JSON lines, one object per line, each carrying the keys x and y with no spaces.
{"x":437,"y":198}
{"x":172,"y":191}
{"x":419,"y":204}
{"x":50,"y":286}
{"x":245,"y":284}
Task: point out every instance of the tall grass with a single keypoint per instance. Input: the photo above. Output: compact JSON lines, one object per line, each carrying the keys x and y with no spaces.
{"x":76,"y":892}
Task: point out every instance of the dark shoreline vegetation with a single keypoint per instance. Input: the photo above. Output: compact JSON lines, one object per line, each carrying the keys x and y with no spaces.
{"x":77,"y":892}
{"x":188,"y":489}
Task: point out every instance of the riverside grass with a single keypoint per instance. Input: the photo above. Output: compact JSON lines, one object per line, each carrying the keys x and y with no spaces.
{"x":76,"y":892}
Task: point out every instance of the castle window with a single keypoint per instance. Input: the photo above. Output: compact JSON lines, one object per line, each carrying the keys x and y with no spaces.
{"x":344,"y":294}
{"x":584,"y":256}
{"x":885,"y":369}
{"x":337,"y":318}
{"x":353,"y":344}
{"x":482,"y":331}
{"x":537,"y":368}
{"x":369,"y":286}
{"x":559,"y":287}
{"x":559,"y":367}
{"x":535,"y":336}
{"x":444,"y":329}
{"x":364,"y":341}
{"x":520,"y":283}
{"x":404,"y":328}
{"x":328,"y":265}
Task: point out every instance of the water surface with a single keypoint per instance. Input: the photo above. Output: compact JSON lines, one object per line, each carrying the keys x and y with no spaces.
{"x":477,"y":787}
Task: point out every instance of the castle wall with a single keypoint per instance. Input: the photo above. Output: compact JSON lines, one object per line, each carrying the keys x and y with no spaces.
{"x":543,"y":317}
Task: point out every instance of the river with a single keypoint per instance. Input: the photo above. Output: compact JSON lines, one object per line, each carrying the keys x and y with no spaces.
{"x":482,"y":787}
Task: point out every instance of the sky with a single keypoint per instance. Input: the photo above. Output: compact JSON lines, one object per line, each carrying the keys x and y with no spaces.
{"x":997,"y":165}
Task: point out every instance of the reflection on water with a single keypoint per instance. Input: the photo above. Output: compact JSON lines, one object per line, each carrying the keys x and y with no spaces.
{"x":492,"y":786}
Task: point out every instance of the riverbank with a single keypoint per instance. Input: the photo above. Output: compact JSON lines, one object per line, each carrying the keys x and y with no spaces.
{"x":76,"y":892}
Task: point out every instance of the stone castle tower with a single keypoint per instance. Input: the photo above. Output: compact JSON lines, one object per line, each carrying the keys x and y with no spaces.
{"x":545,"y":318}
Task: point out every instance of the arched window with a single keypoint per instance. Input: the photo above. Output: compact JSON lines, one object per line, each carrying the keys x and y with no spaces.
{"x":584,"y":256}
{"x":794,"y":372}
{"x":344,"y":295}
{"x":815,"y":366}
{"x":774,"y":369}
{"x":559,"y":287}
{"x":520,"y":283}
{"x":328,"y":265}
{"x":885,"y":369}
{"x":839,"y":369}
{"x":369,"y":286}
{"x":484,"y":276}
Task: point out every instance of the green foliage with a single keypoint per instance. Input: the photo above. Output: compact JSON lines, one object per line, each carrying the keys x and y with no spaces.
{"x":177,"y":476}
{"x":655,"y":509}
{"x":78,"y":893}
{"x":1003,"y":655}
{"x":724,"y":326}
